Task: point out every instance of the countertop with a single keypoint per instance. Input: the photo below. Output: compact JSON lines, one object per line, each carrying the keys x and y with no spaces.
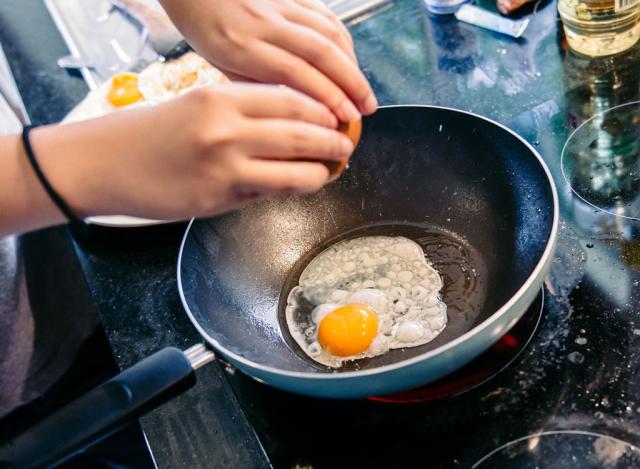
{"x":533,"y":85}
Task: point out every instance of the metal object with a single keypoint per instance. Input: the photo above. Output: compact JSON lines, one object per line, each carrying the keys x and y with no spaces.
{"x":163,"y":35}
{"x":480,"y":17}
{"x":351,"y":11}
{"x":443,"y":7}
{"x":199,"y":355}
{"x":9,"y":91}
{"x":101,"y":40}
{"x":98,"y":56}
{"x":77,"y":63}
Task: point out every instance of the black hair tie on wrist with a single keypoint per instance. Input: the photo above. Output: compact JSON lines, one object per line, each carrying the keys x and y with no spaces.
{"x":55,"y":197}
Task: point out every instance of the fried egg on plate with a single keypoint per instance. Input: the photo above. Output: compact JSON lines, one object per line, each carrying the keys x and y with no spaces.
{"x":157,"y":83}
{"x":364,"y":296}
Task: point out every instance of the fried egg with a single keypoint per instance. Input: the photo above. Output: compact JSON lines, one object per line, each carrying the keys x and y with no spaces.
{"x":363,"y":297}
{"x":157,"y":83}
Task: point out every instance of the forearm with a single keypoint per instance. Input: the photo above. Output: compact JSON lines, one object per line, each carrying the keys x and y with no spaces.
{"x":197,"y":155}
{"x":72,"y":158}
{"x":24,"y":205}
{"x":186,"y":18}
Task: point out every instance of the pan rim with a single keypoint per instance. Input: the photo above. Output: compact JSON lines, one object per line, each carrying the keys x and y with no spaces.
{"x":486,"y":324}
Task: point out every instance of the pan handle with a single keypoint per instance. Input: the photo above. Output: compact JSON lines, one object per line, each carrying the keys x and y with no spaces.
{"x":106,"y":408}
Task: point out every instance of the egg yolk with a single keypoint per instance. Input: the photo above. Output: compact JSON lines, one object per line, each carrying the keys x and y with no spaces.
{"x":348,"y":330}
{"x":124,"y":90}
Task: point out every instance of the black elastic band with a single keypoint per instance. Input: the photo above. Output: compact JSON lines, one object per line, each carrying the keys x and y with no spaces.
{"x":55,"y":197}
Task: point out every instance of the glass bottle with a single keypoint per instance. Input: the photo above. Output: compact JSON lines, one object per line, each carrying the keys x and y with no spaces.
{"x":600,"y":27}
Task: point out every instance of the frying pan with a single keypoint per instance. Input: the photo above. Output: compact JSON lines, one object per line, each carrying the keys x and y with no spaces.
{"x":473,"y":194}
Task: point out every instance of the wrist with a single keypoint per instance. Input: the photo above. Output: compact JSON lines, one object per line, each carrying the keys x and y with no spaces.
{"x":72,"y":168}
{"x":24,"y":204}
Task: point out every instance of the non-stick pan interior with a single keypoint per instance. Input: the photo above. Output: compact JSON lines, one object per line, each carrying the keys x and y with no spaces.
{"x":470,"y":192}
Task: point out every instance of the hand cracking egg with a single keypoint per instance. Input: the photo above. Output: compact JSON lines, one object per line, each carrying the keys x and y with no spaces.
{"x":363,"y":297}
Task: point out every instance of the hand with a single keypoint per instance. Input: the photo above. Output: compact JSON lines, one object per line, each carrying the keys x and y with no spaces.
{"x":506,"y":7}
{"x":298,"y":43}
{"x":203,"y":153}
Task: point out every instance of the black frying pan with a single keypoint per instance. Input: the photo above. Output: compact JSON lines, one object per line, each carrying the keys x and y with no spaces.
{"x":476,"y":196}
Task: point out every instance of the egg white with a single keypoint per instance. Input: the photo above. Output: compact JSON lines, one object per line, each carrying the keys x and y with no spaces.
{"x":389,"y":274}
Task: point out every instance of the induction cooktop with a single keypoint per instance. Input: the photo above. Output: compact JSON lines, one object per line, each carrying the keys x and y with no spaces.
{"x":562,"y":388}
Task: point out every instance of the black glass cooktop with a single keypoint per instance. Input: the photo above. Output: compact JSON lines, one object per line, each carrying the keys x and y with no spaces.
{"x":570,"y":399}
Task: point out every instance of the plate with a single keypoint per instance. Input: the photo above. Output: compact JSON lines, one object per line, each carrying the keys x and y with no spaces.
{"x":124,"y":221}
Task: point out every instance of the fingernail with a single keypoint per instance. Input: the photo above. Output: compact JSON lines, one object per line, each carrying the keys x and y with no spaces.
{"x":346,"y":147}
{"x":370,"y":104}
{"x":349,"y":112}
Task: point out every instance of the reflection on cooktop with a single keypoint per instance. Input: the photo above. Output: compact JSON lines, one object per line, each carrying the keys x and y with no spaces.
{"x":565,"y":449}
{"x":601,"y":161}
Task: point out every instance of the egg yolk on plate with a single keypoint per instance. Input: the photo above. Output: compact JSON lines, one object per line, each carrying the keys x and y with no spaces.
{"x":348,"y":330}
{"x":124,"y":90}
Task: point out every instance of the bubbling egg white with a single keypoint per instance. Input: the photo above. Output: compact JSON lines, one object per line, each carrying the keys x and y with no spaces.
{"x":389,"y":275}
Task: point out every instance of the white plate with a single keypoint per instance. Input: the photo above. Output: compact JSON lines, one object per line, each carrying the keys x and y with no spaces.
{"x":124,"y":221}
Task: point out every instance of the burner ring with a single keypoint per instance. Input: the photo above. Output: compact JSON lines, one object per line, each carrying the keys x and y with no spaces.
{"x":600,"y":161}
{"x":588,"y":450}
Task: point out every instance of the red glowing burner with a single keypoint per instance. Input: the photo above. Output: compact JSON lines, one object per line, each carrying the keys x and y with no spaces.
{"x":483,"y":368}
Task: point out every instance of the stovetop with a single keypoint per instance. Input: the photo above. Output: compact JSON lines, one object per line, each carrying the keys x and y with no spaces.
{"x":569,"y":399}
{"x":572,"y":397}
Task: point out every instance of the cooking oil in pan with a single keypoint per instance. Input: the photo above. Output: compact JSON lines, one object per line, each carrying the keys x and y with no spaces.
{"x":460,"y":266}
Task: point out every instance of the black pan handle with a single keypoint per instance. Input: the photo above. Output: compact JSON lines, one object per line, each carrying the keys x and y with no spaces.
{"x":106,"y":408}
